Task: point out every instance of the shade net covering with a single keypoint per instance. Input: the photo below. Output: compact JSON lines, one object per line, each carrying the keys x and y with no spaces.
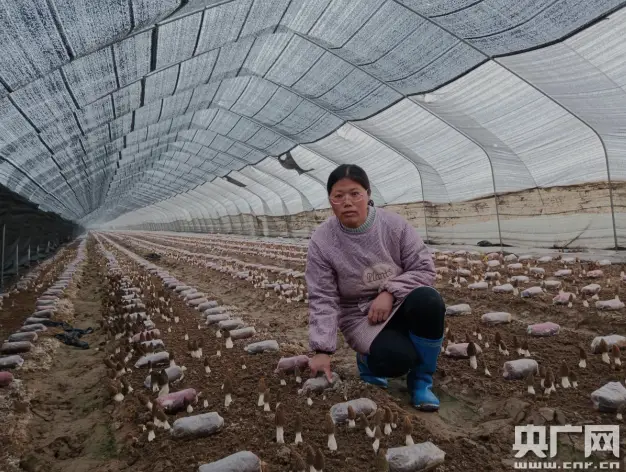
{"x":488,"y":120}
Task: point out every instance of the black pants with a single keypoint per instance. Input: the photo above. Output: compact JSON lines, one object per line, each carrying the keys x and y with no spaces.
{"x":392,"y":353}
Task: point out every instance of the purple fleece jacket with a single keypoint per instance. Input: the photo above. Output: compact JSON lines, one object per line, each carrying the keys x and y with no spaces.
{"x":346,"y":269}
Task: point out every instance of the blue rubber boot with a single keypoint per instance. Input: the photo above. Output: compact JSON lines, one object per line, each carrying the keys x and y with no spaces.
{"x":365,"y":373}
{"x":420,"y":378}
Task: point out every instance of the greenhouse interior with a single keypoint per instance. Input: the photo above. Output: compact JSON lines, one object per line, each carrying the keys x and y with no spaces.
{"x":184,"y":287}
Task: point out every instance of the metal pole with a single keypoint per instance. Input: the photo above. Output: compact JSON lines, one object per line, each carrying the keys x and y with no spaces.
{"x":4,"y":227}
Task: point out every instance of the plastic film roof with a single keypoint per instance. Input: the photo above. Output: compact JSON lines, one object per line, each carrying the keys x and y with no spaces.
{"x":123,"y":112}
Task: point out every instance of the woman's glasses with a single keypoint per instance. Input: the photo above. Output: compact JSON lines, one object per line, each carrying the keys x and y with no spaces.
{"x":341,"y":198}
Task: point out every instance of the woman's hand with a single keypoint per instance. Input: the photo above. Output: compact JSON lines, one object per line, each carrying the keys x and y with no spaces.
{"x":321,"y":363}
{"x":380,"y":308}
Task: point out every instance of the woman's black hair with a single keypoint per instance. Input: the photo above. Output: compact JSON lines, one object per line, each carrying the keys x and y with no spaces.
{"x":352,"y":172}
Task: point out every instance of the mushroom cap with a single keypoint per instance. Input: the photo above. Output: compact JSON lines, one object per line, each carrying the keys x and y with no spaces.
{"x":298,"y":423}
{"x":615,"y":352}
{"x":351,"y":413}
{"x":388,"y":417}
{"x":228,"y":385}
{"x":564,"y":370}
{"x":329,"y":424}
{"x":604,"y":347}
{"x":280,"y":416}
{"x":407,"y":425}
{"x":582,"y":353}
{"x":310,"y":455}
{"x":319,"y":461}
{"x":380,"y":463}
{"x":530,"y":378}
{"x":378,"y":434}
{"x":363,"y":420}
{"x":298,"y":461}
{"x":471,"y":349}
{"x":262,"y":386}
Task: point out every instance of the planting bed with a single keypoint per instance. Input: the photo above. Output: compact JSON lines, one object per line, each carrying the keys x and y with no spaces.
{"x":248,"y":279}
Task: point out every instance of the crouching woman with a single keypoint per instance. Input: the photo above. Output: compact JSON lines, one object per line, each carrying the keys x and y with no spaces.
{"x":370,"y":275}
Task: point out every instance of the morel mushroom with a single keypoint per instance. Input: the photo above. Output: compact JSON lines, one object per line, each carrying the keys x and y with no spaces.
{"x":582,"y":354}
{"x":530,"y":383}
{"x":387,"y":419}
{"x":564,"y":373}
{"x":471,"y":352}
{"x":298,"y":428}
{"x":407,"y":429}
{"x":351,"y":417}
{"x":280,"y":425}
{"x":604,"y":349}
{"x":615,"y":354}
{"x":228,"y":390}
{"x":262,"y":389}
{"x":378,"y":435}
{"x":365,"y":425}
{"x":329,"y":427}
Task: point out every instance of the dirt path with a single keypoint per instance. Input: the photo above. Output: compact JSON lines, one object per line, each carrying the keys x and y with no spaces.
{"x":70,"y":430}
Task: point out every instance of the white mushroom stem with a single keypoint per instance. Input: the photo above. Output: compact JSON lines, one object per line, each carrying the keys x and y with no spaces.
{"x":165,"y":390}
{"x":618,"y":361}
{"x":309,"y":401}
{"x":520,"y":351}
{"x":547,"y":391}
{"x":205,"y":404}
{"x":387,"y":429}
{"x":526,"y":353}
{"x":176,"y":319}
{"x":487,"y":373}
{"x":531,"y":390}
{"x":218,"y":353}
{"x":376,"y":445}
{"x":473,"y":362}
{"x":486,"y":344}
{"x":207,"y":369}
{"x":166,"y":425}
{"x":228,"y":400}
{"x":283,"y":382}
{"x":189,"y":409}
{"x":298,"y":439}
{"x":118,"y":397}
{"x":480,"y":337}
{"x":582,"y":364}
{"x":151,"y":435}
{"x":370,"y":432}
{"x":266,"y":407}
{"x":280,"y":435}
{"x":351,"y":424}
{"x":565,"y":382}
{"x":605,"y":358}
{"x":409,"y":440}
{"x":229,"y":343}
{"x":575,"y":384}
{"x":261,"y":401}
{"x":298,"y":379}
{"x":332,"y":442}
{"x":218,"y":334}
